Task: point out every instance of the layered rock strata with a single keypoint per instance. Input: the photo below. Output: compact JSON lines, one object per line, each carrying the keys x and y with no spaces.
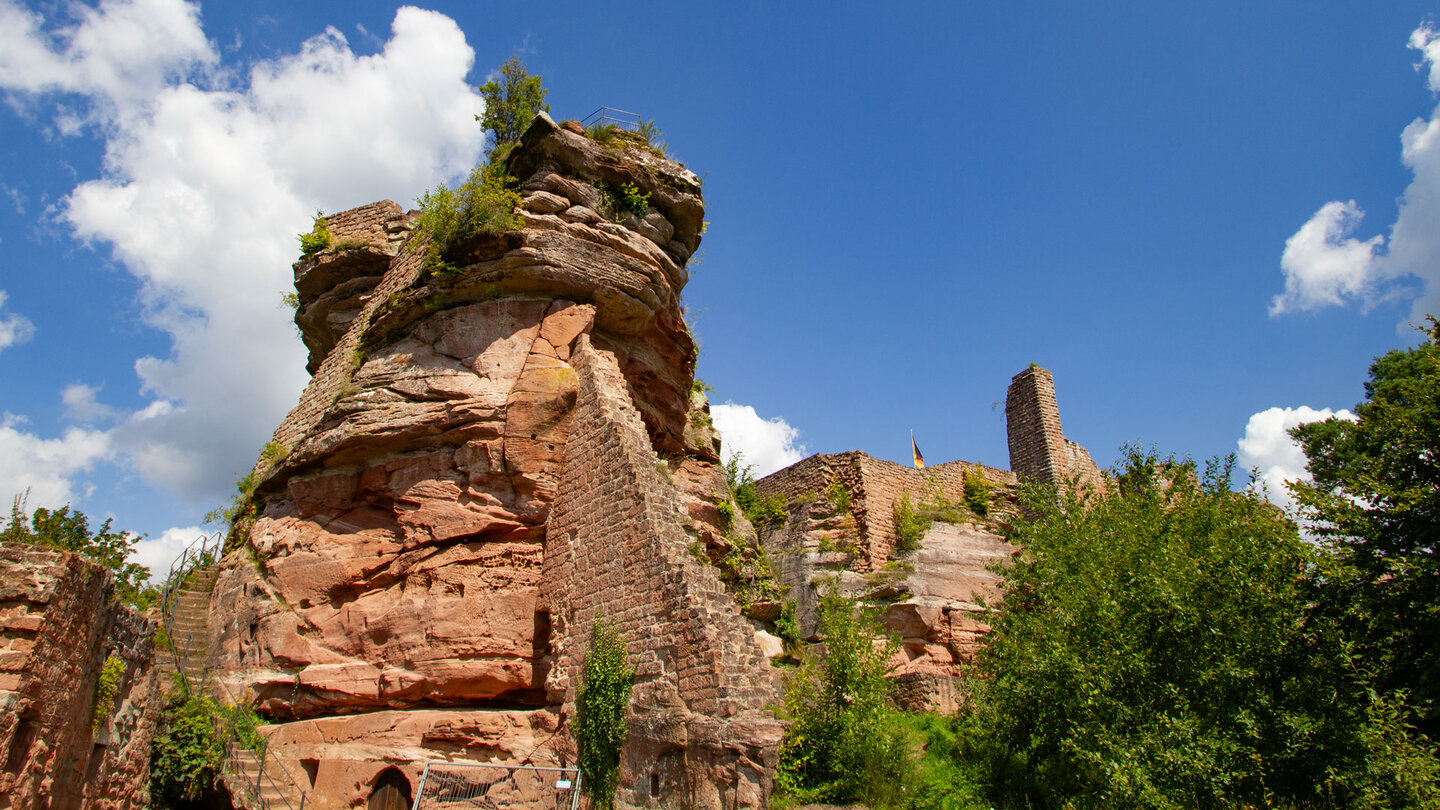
{"x":403,"y":593}
{"x":66,"y":742}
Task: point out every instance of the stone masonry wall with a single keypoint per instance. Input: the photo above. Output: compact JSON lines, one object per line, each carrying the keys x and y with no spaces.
{"x":58,"y":624}
{"x":1038,"y":447}
{"x":339,"y":366}
{"x":929,"y":596}
{"x":700,"y":733}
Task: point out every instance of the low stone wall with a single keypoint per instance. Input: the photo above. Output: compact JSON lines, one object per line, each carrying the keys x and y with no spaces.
{"x":59,"y":622}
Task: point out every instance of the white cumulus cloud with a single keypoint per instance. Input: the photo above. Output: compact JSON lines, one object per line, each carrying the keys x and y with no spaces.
{"x":1268,"y":448}
{"x":47,"y":468}
{"x":1325,"y":266}
{"x":157,"y":553}
{"x":14,"y":328}
{"x":768,"y":444}
{"x":207,"y":178}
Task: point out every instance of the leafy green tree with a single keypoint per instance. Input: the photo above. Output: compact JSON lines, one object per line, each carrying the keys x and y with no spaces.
{"x":1155,"y":650}
{"x":70,"y":531}
{"x":511,"y":102}
{"x":846,"y":742}
{"x":1375,"y":503}
{"x":605,"y":683}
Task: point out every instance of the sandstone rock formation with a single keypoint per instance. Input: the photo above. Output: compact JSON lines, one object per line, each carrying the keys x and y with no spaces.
{"x":482,"y":464}
{"x":59,"y":624}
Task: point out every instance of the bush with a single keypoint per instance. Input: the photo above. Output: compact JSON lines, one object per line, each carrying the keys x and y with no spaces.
{"x":483,"y":204}
{"x":107,"y":686}
{"x":977,"y":493}
{"x":187,"y":753}
{"x":605,"y":682}
{"x":758,"y":509}
{"x":846,"y":742}
{"x":317,"y":239}
{"x":626,"y":199}
{"x":910,"y":525}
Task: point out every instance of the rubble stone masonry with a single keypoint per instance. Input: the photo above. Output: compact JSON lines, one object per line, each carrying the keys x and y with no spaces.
{"x":59,"y":623}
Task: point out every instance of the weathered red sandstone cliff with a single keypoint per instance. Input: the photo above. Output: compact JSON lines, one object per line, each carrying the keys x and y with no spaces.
{"x":482,"y":464}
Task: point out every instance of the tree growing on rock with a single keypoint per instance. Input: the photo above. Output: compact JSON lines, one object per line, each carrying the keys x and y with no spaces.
{"x":511,"y":101}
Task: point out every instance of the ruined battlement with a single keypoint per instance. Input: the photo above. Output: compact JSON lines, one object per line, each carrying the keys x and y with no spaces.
{"x":1039,"y":450}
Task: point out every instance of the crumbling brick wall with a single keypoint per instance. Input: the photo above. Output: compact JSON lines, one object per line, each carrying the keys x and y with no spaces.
{"x":700,"y":733}
{"x":1038,"y":447}
{"x":58,"y":624}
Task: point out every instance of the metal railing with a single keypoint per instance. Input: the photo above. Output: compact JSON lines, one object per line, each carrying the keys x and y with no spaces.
{"x":202,"y":553}
{"x":609,"y":116}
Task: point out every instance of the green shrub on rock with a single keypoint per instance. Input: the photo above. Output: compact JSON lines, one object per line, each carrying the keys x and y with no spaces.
{"x":483,"y":205}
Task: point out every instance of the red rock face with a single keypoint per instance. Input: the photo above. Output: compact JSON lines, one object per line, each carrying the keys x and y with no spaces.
{"x":395,"y":570}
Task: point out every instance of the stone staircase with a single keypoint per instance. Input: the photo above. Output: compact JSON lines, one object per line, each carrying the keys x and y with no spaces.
{"x":187,"y":628}
{"x":244,"y":773}
{"x":253,"y":783}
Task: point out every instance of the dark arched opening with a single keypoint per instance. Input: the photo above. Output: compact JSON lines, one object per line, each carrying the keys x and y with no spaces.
{"x":392,"y":791}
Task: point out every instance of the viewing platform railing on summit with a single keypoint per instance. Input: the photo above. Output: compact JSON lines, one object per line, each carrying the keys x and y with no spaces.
{"x":609,"y":115}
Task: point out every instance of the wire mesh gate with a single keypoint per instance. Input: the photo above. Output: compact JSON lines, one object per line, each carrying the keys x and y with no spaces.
{"x":468,"y":785}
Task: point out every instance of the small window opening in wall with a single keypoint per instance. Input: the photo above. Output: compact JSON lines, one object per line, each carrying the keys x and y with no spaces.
{"x":20,"y":744}
{"x":654,"y":784}
{"x":312,"y":769}
{"x":97,"y":758}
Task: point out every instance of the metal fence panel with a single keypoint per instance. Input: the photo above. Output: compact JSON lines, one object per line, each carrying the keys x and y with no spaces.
{"x":469,"y":785}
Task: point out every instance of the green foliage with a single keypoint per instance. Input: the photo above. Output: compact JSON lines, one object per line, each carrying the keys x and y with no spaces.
{"x":838,"y":496}
{"x":70,"y":531}
{"x":291,"y":301}
{"x":483,"y":205}
{"x":910,"y":525}
{"x":240,"y":513}
{"x":107,"y":686}
{"x":786,"y":627}
{"x":977,"y":493}
{"x":845,"y":743}
{"x":511,"y":102}
{"x":317,"y":239}
{"x":628,"y":198}
{"x":650,"y":131}
{"x":187,"y":753}
{"x":605,"y":683}
{"x":758,"y":509}
{"x":1375,"y":504}
{"x":726,"y":509}
{"x":1154,"y":651}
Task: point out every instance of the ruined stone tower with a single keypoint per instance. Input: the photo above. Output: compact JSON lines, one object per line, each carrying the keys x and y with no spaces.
{"x":1038,"y":447}
{"x":484,"y":462}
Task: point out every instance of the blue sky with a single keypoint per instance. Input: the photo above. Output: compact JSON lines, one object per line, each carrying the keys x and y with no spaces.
{"x":1204,"y":218}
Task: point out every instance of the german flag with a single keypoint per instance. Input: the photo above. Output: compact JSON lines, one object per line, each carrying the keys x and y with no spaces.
{"x":915,"y":449}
